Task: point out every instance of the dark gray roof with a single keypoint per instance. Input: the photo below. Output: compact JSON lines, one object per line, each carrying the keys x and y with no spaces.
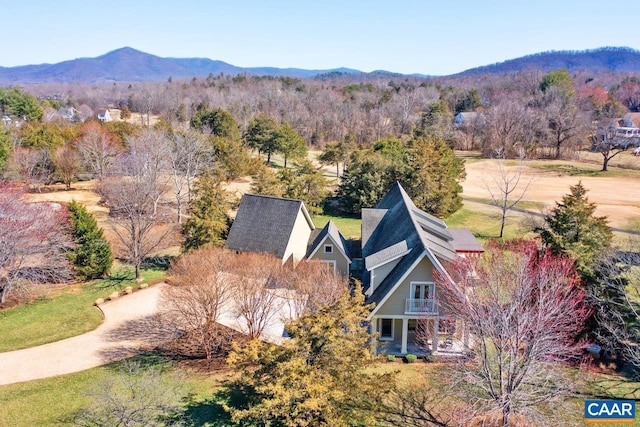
{"x":370,"y":220}
{"x":386,"y":254}
{"x":465,"y":241}
{"x":329,"y":230}
{"x":393,"y":277}
{"x":264,"y":224}
{"x":403,"y":221}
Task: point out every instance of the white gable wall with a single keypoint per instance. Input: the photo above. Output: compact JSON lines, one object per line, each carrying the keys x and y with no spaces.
{"x":297,"y":245}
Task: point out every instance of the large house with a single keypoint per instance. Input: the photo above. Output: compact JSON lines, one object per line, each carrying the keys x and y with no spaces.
{"x":401,"y":248}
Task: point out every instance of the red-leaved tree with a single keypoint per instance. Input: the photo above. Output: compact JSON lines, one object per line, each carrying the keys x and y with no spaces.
{"x":525,"y":311}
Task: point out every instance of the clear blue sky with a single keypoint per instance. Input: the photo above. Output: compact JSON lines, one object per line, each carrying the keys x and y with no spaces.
{"x":407,"y":36}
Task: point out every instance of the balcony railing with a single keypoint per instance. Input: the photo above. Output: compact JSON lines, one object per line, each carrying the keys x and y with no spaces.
{"x":424,"y":306}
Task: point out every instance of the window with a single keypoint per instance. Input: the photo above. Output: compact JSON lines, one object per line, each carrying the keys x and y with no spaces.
{"x":331,"y":265}
{"x":386,"y":329}
{"x":447,"y":325}
{"x":328,"y":249}
{"x":422,"y":290}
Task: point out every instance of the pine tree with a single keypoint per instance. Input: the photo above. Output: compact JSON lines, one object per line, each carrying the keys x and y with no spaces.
{"x":572,"y":229}
{"x":432,"y":179}
{"x":92,"y":256}
{"x":209,"y":221}
{"x":321,"y":376}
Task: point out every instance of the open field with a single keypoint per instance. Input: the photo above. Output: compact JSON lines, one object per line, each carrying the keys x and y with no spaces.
{"x":616,"y":193}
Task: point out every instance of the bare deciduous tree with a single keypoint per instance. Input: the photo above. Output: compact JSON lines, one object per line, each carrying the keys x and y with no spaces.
{"x":526,"y":312}
{"x":33,"y":242}
{"x":312,"y":286}
{"x":257,"y":303}
{"x":135,"y":396}
{"x":200,"y":290}
{"x":189,"y":153}
{"x":31,"y":165}
{"x":507,"y":188}
{"x":608,"y":142}
{"x":98,"y":148}
{"x":134,"y":195}
{"x":67,"y":162}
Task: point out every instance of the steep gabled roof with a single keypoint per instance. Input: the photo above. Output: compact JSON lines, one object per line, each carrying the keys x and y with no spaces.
{"x":264,"y":224}
{"x":403,"y":221}
{"x":329,"y":230}
{"x":402,"y":231}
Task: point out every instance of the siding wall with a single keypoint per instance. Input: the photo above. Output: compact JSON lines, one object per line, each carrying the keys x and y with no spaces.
{"x":297,"y":246}
{"x":395,"y":304}
{"x":342,"y":265}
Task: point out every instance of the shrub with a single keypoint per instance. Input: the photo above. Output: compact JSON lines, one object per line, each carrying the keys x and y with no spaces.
{"x":411,"y":358}
{"x":430,"y":359}
{"x":391,"y":358}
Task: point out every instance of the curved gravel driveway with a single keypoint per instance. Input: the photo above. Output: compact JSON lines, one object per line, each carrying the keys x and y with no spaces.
{"x":129,"y":328}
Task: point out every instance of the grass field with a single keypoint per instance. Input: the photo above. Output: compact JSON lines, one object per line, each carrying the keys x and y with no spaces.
{"x":64,"y":313}
{"x":349,"y":226}
{"x":53,"y":401}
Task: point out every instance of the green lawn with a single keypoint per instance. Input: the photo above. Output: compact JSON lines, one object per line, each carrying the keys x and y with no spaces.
{"x":53,"y":401}
{"x":583,"y":169}
{"x":486,"y":226}
{"x":349,"y":226}
{"x":65,"y":313}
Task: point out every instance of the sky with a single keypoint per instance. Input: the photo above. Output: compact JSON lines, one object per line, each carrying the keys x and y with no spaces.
{"x":433,"y":37}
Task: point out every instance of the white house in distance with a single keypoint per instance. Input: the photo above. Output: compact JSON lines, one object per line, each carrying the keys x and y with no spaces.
{"x":400,"y":248}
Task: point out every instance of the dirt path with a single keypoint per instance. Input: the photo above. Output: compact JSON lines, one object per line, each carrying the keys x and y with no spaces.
{"x":128,"y":329}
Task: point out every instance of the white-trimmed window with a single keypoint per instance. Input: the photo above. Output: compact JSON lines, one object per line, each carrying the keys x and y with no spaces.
{"x":422,"y":290}
{"x":331,"y":265}
{"x":385,"y":327}
{"x":328,"y":249}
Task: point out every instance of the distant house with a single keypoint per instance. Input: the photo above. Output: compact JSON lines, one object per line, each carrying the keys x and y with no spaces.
{"x":466,"y":118}
{"x":6,"y":120}
{"x":69,"y":113}
{"x":104,"y":115}
{"x":400,"y":251}
{"x":630,"y":120}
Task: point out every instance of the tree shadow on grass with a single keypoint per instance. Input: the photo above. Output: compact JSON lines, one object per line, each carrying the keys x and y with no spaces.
{"x":210,"y":409}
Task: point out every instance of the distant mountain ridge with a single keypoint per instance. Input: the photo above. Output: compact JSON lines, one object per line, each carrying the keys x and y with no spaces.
{"x":605,"y":59}
{"x":130,"y":65}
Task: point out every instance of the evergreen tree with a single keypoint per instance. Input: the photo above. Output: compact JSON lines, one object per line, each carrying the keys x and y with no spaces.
{"x":321,"y":376}
{"x":209,"y":222}
{"x":262,"y":134}
{"x":305,"y":182}
{"x":572,"y":229}
{"x":219,"y":122}
{"x":433,"y":175}
{"x":266,"y":182}
{"x":290,"y":144}
{"x":92,"y":256}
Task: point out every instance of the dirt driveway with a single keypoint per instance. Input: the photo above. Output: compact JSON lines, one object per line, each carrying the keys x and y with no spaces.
{"x":126,"y":331}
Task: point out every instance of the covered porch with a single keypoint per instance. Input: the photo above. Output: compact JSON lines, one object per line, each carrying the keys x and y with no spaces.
{"x":422,"y":336}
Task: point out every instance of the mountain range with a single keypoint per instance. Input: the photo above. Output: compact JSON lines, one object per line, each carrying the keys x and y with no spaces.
{"x":131,"y":65}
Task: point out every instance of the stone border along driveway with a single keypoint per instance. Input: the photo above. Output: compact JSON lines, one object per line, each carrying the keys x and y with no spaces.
{"x":118,"y":337}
